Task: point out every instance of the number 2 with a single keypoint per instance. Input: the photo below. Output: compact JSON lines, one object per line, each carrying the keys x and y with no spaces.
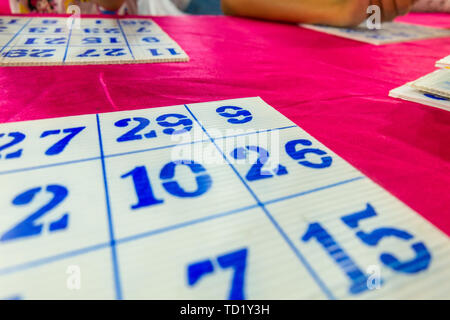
{"x":133,"y":133}
{"x":29,"y":227}
{"x":256,"y":171}
{"x":17,"y":138}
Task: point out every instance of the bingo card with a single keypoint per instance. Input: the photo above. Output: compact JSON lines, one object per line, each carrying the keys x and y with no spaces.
{"x":410,"y":93}
{"x":62,"y":41}
{"x":390,"y":32}
{"x":217,"y":200}
{"x":443,"y":63}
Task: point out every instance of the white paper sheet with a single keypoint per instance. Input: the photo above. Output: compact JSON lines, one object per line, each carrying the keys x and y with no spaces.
{"x":217,"y":200}
{"x":60,"y":41}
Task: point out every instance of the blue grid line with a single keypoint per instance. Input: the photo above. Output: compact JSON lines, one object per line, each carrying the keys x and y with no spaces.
{"x":183,"y":224}
{"x":155,"y":148}
{"x":39,"y":262}
{"x":48,"y":165}
{"x":110,"y":223}
{"x":125,"y":37}
{"x":15,"y":35}
{"x":192,"y":142}
{"x":92,"y":46}
{"x":76,"y":252}
{"x":302,"y":259}
{"x":135,"y":151}
{"x":68,"y":41}
{"x":254,"y":132}
{"x":299,"y":194}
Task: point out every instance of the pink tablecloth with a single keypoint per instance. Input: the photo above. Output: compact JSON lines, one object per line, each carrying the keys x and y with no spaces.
{"x":334,"y":88}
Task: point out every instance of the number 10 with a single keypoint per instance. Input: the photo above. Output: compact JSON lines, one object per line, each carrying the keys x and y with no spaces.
{"x":144,"y":190}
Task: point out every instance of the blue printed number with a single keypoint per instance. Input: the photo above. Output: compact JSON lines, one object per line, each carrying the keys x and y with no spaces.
{"x":144,"y":30}
{"x":14,"y":297}
{"x":422,"y":257}
{"x":17,"y":137}
{"x":339,"y":255}
{"x":96,"y":40}
{"x":182,"y":120}
{"x":173,"y":187}
{"x":160,"y":52}
{"x":112,"y":52}
{"x":240,"y":116}
{"x":256,"y":171}
{"x":181,"y":125}
{"x":29,"y":227}
{"x":133,"y":133}
{"x":34,"y":41}
{"x":150,"y":39}
{"x":420,"y":262}
{"x":236,"y":260}
{"x":291,"y":150}
{"x":144,"y":190}
{"x":35,"y":53}
{"x":59,"y":146}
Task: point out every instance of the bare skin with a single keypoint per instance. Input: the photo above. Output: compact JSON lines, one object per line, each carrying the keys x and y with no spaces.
{"x":111,"y":5}
{"x":341,"y":13}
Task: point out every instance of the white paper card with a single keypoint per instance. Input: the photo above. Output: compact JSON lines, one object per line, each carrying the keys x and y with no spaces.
{"x":217,"y":200}
{"x":390,"y":32}
{"x":407,"y":92}
{"x":443,"y":63}
{"x":61,"y":41}
{"x":437,"y":82}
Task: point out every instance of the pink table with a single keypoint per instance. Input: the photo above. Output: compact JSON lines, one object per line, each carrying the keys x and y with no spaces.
{"x":334,"y":88}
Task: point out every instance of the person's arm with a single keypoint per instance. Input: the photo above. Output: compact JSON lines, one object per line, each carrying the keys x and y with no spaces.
{"x":332,"y":12}
{"x":111,"y":5}
{"x":432,"y":6}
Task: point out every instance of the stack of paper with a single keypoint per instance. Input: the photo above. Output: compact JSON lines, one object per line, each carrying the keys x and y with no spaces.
{"x":432,"y":89}
{"x":409,"y":93}
{"x":443,"y":63}
{"x":437,"y":82}
{"x":389,"y":32}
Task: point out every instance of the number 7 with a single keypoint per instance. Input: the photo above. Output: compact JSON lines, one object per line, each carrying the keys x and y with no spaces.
{"x":236,"y":260}
{"x":59,"y":146}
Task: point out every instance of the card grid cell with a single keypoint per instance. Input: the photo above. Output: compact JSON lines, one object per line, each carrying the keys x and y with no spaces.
{"x":251,"y":198}
{"x":13,"y":38}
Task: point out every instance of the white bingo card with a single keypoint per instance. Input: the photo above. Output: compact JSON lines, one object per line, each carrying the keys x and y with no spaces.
{"x":443,"y":63}
{"x":217,"y":200}
{"x":60,"y":41}
{"x":388,"y":32}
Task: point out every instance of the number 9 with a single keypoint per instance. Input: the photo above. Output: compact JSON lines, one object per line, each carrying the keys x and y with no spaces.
{"x":240,"y":112}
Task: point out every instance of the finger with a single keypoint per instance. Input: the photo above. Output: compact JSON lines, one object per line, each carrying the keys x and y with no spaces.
{"x":388,"y":10}
{"x":377,"y":3}
{"x":403,"y":6}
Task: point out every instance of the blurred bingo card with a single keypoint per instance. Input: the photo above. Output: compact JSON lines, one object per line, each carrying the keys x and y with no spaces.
{"x":216,"y":200}
{"x":409,"y":93}
{"x":61,"y":41}
{"x":443,"y":63}
{"x":390,"y":32}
